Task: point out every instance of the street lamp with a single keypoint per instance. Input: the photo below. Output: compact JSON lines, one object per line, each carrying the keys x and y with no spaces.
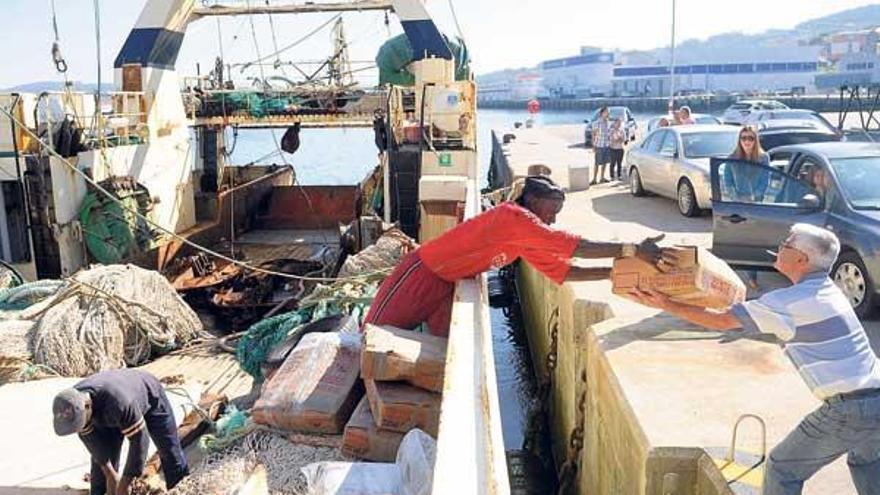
{"x":672,"y":64}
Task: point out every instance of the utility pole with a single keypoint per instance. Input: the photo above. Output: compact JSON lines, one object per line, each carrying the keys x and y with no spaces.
{"x":672,"y":64}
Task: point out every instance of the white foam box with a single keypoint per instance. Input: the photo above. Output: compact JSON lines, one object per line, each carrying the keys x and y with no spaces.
{"x":450,"y":162}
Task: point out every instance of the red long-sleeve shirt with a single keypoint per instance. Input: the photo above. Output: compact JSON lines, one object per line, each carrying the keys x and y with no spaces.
{"x":498,"y":237}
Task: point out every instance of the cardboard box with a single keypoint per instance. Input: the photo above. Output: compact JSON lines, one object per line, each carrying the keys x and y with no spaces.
{"x":700,"y":279}
{"x":399,"y":406}
{"x":392,"y":354}
{"x":365,"y":440}
{"x":316,"y":388}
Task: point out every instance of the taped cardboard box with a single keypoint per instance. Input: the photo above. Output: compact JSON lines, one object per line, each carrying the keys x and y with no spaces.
{"x":399,"y":406}
{"x":392,"y":354}
{"x":365,"y":440}
{"x":316,"y":388}
{"x":699,"y":279}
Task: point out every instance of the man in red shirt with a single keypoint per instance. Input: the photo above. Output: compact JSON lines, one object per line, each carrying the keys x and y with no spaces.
{"x":421,"y":287}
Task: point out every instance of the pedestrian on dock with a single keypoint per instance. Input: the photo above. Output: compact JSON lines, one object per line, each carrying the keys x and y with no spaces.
{"x":618,"y":138}
{"x":828,"y":346}
{"x":601,"y":145}
{"x":750,"y":184}
{"x":421,"y":287}
{"x":684,"y":116}
{"x":110,"y":406}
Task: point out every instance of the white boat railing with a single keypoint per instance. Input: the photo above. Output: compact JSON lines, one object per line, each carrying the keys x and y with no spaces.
{"x":470,"y":445}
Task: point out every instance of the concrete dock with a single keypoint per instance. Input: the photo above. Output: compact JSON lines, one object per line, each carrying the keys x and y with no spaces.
{"x":660,"y":396}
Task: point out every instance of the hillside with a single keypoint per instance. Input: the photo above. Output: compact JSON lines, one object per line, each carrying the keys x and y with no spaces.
{"x":848,"y":20}
{"x":40,"y":86}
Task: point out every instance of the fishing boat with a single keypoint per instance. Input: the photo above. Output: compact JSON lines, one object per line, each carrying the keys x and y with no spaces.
{"x":142,"y":175}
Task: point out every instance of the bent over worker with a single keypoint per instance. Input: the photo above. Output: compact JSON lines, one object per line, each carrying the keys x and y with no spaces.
{"x":421,"y":287}
{"x":828,"y":346}
{"x":111,"y":405}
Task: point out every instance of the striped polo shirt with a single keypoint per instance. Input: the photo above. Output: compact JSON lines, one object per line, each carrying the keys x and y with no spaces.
{"x":820,"y":333}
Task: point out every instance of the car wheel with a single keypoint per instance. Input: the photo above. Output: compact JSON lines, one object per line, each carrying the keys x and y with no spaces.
{"x":635,"y":183}
{"x":852,"y":278}
{"x":687,"y":199}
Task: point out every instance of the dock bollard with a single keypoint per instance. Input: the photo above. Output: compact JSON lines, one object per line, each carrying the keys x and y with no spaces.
{"x":578,"y":177}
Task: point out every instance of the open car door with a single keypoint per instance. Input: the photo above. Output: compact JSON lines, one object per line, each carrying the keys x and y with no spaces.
{"x":753,"y":207}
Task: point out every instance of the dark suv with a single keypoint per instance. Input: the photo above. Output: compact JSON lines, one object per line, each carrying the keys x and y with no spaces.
{"x":834,"y":185}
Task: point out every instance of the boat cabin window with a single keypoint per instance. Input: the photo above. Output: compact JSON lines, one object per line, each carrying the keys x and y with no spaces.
{"x":14,"y":246}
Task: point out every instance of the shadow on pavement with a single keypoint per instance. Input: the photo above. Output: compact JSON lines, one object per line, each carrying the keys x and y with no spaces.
{"x":653,"y":212}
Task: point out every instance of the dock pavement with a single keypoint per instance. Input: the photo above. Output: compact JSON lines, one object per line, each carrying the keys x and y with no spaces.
{"x":679,"y":386}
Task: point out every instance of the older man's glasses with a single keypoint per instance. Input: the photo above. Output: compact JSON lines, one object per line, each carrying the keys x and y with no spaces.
{"x":784,"y":245}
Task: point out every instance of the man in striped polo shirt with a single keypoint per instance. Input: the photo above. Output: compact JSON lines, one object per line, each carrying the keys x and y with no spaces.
{"x":825,"y":341}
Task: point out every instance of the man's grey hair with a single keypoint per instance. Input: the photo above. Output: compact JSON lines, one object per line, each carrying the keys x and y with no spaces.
{"x":820,"y":245}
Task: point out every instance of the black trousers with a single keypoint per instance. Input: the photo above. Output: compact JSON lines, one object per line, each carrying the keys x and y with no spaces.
{"x":616,"y":163}
{"x":162,"y":429}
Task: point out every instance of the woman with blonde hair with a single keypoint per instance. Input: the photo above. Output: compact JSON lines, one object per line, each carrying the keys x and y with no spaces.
{"x":748,"y":184}
{"x":748,"y":147}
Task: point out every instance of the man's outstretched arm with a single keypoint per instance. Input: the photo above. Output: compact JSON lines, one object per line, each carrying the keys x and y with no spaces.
{"x":719,"y":321}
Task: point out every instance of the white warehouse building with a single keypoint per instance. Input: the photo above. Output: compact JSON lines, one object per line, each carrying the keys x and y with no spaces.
{"x":754,"y":70}
{"x":581,"y":76}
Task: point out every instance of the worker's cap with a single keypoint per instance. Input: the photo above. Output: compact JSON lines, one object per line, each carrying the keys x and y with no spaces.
{"x":542,"y":186}
{"x":69,"y":411}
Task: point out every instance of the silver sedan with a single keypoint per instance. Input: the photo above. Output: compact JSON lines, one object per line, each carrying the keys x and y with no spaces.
{"x":674,"y":162}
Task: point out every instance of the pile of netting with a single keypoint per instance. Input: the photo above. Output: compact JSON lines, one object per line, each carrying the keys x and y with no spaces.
{"x":103,"y":318}
{"x":230,"y":467}
{"x":384,"y":255}
{"x":348,"y":297}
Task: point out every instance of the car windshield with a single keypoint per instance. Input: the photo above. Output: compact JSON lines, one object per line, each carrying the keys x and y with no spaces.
{"x":860,"y":180}
{"x":708,"y":144}
{"x":777,"y":139}
{"x":705,"y":119}
{"x":792,"y":114}
{"x":740,"y":106}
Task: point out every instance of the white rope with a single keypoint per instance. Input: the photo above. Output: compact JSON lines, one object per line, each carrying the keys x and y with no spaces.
{"x":455,"y":18}
{"x":184,"y":240}
{"x":260,"y":59}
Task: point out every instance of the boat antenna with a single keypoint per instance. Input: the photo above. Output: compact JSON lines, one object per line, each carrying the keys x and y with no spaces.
{"x":98,"y":54}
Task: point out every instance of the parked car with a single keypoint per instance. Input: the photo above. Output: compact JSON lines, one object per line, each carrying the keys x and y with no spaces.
{"x":736,"y":113}
{"x":674,"y":162}
{"x":623,"y":113}
{"x":699,"y":118}
{"x":761,"y":116}
{"x":834,"y":185}
{"x":776,"y":133}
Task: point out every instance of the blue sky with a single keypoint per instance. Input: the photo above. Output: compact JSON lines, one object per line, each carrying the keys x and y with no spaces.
{"x":500,"y":33}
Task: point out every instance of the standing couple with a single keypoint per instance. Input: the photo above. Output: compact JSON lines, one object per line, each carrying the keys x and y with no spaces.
{"x":609,"y":137}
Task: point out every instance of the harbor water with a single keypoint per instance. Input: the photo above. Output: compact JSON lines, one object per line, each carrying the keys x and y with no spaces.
{"x":345,"y":156}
